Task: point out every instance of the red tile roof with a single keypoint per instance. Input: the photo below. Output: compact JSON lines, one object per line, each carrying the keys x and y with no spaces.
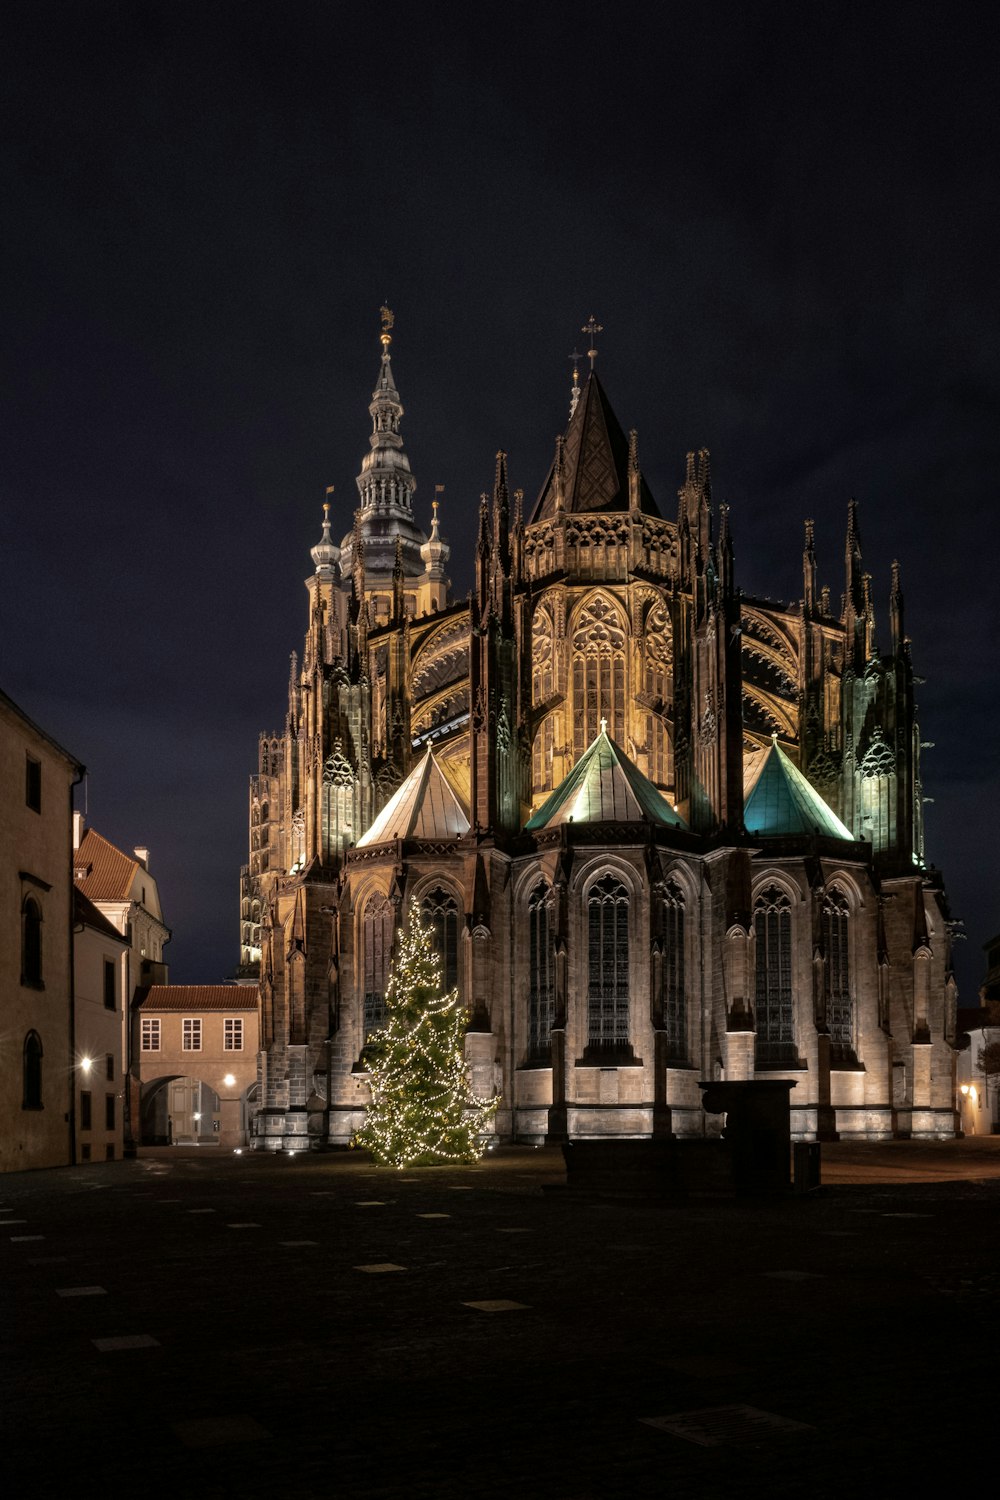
{"x":192,"y":998}
{"x":102,"y":872}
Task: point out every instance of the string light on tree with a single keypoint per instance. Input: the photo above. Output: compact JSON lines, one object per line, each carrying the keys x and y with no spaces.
{"x":422,"y":1111}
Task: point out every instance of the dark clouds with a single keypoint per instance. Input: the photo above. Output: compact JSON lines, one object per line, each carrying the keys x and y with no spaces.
{"x":783,"y":215}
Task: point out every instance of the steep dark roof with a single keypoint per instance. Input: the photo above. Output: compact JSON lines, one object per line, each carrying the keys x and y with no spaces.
{"x":595,"y":462}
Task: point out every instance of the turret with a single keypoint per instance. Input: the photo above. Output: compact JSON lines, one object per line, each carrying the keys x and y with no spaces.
{"x":386,"y":486}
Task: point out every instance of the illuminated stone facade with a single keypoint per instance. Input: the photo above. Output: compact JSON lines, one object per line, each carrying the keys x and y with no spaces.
{"x":741,"y":888}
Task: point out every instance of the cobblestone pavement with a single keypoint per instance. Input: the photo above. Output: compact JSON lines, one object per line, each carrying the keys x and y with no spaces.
{"x":251,"y":1326}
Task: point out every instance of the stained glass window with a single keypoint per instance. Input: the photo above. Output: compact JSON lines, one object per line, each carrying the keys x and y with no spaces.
{"x":772,"y":920}
{"x":608,"y":988}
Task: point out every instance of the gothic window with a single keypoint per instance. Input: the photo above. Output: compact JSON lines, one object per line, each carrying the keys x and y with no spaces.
{"x":542,"y":753}
{"x":31,"y":943}
{"x":377,"y":945}
{"x":541,"y":970}
{"x":32,"y":1069}
{"x":440,"y":911}
{"x":772,"y":922}
{"x":598,"y":673}
{"x":671,"y":913}
{"x":608,"y":986}
{"x":542,"y":679}
{"x":839,"y":1004}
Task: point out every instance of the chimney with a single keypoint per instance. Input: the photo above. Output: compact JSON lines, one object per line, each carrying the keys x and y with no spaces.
{"x":78,"y":828}
{"x":142,"y":855}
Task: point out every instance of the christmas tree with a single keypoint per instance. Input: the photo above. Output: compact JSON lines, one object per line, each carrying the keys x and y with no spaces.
{"x":422,"y":1110}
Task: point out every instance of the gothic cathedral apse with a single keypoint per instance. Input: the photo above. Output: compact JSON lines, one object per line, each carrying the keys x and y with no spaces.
{"x":664,"y":832}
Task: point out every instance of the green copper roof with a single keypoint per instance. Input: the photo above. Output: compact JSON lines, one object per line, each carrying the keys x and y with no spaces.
{"x":604,"y":787}
{"x":781,"y":801}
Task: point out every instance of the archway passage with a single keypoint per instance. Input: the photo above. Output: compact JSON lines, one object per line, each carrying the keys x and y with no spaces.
{"x":180,"y":1111}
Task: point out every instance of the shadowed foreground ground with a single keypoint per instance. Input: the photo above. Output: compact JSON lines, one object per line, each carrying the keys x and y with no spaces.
{"x":270,"y":1362}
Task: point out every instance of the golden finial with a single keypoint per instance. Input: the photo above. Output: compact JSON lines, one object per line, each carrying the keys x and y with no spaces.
{"x":387,"y":322}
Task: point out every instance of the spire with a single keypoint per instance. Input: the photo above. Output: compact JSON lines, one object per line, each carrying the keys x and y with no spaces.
{"x":517,"y":536}
{"x":435,"y":552}
{"x":634,"y":476}
{"x":809,"y":572}
{"x":501,"y":513}
{"x":326,"y":554}
{"x":385,"y":482}
{"x":896,"y":611}
{"x":591,"y":471}
{"x":483,"y":558}
{"x":574,"y":395}
{"x":725,"y":552}
{"x":854,"y":592}
{"x":398,"y":604}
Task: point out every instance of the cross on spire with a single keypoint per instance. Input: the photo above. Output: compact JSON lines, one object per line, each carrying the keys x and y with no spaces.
{"x":593,"y":328}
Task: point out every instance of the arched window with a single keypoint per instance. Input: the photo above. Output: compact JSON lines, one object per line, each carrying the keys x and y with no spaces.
{"x":32,"y":1071}
{"x":772,"y":924}
{"x":31,"y":943}
{"x":541,"y":970}
{"x":598,"y":673}
{"x":377,"y":941}
{"x":440,"y":911}
{"x":839,"y":1002}
{"x":671,"y":912}
{"x":608,"y":987}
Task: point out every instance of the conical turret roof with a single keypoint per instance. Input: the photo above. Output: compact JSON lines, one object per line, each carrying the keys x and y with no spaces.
{"x":781,"y":801}
{"x":605,"y":787}
{"x":595,"y":461}
{"x":426,"y":806}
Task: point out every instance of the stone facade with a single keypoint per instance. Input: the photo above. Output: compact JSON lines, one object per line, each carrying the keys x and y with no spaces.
{"x":37,"y":1043}
{"x":196,"y":1049}
{"x":101,"y":1008}
{"x":744,"y":892}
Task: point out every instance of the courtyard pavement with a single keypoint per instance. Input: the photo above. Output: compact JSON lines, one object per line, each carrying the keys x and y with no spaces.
{"x":193,"y":1324}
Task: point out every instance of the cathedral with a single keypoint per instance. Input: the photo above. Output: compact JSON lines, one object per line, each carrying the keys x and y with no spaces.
{"x":665,"y":832}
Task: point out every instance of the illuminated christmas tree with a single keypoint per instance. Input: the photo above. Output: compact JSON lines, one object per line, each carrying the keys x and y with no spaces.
{"x":422,"y":1110}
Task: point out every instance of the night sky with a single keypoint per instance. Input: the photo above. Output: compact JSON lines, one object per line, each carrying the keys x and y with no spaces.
{"x":784,"y":216}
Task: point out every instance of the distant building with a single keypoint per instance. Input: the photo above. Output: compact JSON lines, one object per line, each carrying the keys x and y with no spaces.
{"x":664,"y":830}
{"x":978,"y":1077}
{"x":98,"y":951}
{"x":196,"y":1049}
{"x":37,"y":1043}
{"x":126,"y":894}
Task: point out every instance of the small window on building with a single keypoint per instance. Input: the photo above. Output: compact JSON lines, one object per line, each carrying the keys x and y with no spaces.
{"x":85,"y":1111}
{"x":109,"y":1152}
{"x":33,"y":784}
{"x":109,"y":1066}
{"x":191,"y":1033}
{"x":31,"y":943}
{"x":110,"y":998}
{"x":150,"y":1033}
{"x":233,"y":1034}
{"x":32,"y":1069}
{"x":109,"y":1111}
{"x":85,"y":1153}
